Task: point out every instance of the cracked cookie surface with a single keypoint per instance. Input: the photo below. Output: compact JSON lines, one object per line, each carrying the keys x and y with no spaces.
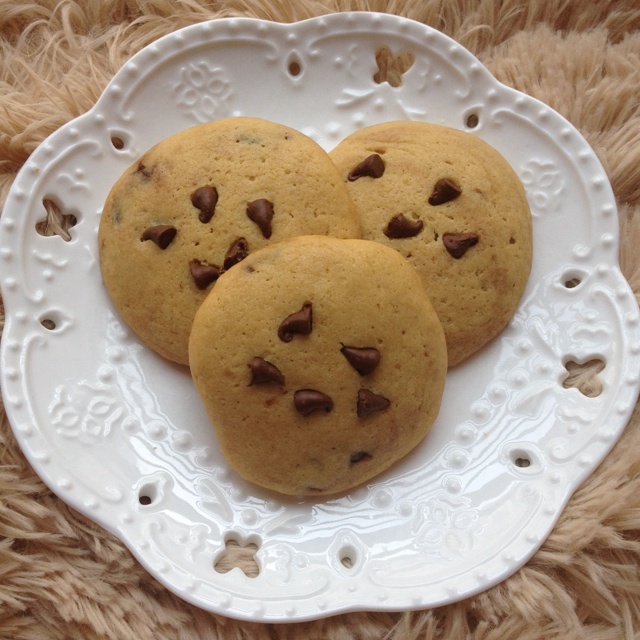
{"x":320,"y":361}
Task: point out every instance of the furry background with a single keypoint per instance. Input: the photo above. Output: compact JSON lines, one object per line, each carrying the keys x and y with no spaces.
{"x":63,"y":578}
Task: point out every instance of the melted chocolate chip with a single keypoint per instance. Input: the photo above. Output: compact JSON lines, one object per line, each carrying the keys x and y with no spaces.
{"x":237,"y":252}
{"x":444,"y":191}
{"x":205,"y":199}
{"x":369,"y":402}
{"x":401,"y":227}
{"x":306,"y":401}
{"x":359,"y":456}
{"x":363,"y":359}
{"x":263,"y":372}
{"x":299,"y":322}
{"x":162,"y":235}
{"x":457,"y":244}
{"x":203,"y":274}
{"x":261,"y":212}
{"x":372,"y":167}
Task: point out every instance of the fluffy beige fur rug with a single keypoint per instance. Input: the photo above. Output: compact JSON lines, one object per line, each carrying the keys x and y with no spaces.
{"x":61,"y":577}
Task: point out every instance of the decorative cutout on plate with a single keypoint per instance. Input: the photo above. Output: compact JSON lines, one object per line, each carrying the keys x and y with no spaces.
{"x":391,"y":68}
{"x":56,"y":222}
{"x":583,"y":376}
{"x":239,"y":555}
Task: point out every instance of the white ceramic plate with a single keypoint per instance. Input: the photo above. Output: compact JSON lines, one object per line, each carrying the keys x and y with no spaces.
{"x":120,"y":434}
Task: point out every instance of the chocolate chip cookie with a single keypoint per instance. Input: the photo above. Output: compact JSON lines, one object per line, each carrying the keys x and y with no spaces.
{"x":320,"y":361}
{"x":456,"y":210}
{"x":199,"y":203}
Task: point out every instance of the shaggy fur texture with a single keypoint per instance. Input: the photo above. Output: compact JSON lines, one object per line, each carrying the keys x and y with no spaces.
{"x":61,"y":577}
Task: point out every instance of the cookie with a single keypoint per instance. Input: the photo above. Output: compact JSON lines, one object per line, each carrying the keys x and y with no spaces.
{"x":201,"y":201}
{"x":456,"y":210}
{"x":320,"y":361}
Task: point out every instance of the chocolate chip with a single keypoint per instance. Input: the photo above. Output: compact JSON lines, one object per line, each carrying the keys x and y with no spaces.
{"x":368,"y":402}
{"x":401,"y":227}
{"x":444,"y":191}
{"x":359,"y":456}
{"x":363,"y":359}
{"x":299,"y":322}
{"x":205,"y":199}
{"x":237,"y":252}
{"x":203,"y":274}
{"x":263,"y":372}
{"x":145,"y":171}
{"x":261,"y":212}
{"x":306,"y":401}
{"x":457,"y":244}
{"x":162,"y":235}
{"x":372,"y":167}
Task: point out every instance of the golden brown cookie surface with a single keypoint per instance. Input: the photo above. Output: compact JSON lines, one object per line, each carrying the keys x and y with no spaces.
{"x":320,"y":361}
{"x":200,"y":201}
{"x":453,"y":206}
